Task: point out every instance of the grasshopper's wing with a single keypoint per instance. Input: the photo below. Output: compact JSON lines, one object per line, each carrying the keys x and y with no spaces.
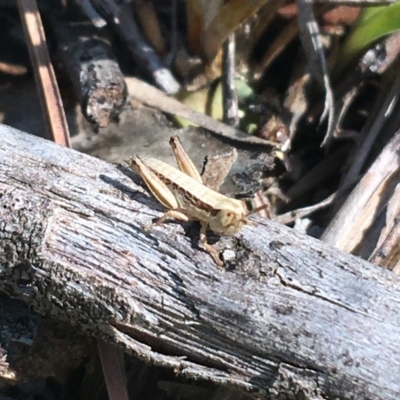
{"x":159,"y":189}
{"x":216,"y":168}
{"x":184,"y":162}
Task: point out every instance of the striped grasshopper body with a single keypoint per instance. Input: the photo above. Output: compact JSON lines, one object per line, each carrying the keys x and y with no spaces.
{"x":187,"y":198}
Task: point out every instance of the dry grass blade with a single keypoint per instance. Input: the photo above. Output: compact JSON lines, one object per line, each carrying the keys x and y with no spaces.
{"x":151,"y":27}
{"x":312,"y":44}
{"x":378,"y":121}
{"x":199,"y":15}
{"x":277,"y":47}
{"x":387,"y":251}
{"x":113,"y":369}
{"x":53,"y":111}
{"x":229,"y":17}
{"x":230,"y":98}
{"x":349,"y":227}
{"x":195,"y":24}
{"x":264,"y":17}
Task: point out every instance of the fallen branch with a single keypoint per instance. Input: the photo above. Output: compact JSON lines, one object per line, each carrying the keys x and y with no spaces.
{"x":155,"y":98}
{"x":94,"y":72}
{"x":289,"y":314}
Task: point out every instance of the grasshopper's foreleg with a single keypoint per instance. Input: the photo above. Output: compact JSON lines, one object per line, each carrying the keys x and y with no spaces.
{"x":203,"y":240}
{"x":184,"y":162}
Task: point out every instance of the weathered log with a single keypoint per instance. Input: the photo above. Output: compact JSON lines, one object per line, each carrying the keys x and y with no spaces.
{"x":289,"y":316}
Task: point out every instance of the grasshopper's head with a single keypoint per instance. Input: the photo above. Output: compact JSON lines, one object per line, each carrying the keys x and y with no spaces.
{"x":228,"y":217}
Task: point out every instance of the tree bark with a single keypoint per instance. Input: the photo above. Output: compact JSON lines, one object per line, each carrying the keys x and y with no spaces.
{"x":288,"y":316}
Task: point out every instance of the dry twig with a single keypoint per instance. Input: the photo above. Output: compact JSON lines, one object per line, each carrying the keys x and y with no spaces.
{"x":45,"y":79}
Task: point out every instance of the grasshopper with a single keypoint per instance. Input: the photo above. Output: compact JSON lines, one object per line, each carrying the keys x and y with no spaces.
{"x":186,"y":197}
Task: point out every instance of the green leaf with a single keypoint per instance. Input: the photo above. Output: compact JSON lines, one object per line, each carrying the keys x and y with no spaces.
{"x":373,"y":24}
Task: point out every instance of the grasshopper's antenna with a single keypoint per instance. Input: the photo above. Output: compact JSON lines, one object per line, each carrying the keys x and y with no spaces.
{"x":257,"y":209}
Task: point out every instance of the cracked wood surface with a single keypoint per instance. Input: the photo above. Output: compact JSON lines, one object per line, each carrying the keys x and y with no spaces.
{"x":288,"y":316}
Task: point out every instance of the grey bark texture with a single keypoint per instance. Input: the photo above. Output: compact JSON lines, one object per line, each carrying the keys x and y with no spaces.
{"x":289,"y":317}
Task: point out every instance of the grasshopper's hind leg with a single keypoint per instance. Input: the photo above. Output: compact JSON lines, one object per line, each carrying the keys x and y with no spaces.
{"x":185,"y":164}
{"x":156,"y":186}
{"x":160,"y":191}
{"x":203,"y":240}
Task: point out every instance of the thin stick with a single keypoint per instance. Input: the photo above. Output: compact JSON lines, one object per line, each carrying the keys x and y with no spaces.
{"x":113,"y":370}
{"x":124,"y":23}
{"x":150,"y":25}
{"x":366,"y":144}
{"x":153,"y":97}
{"x":228,"y":83}
{"x":56,"y":124}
